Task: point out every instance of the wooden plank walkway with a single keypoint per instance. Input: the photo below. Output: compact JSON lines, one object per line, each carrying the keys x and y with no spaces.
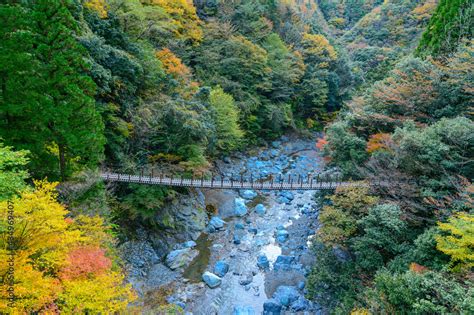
{"x":310,"y":183}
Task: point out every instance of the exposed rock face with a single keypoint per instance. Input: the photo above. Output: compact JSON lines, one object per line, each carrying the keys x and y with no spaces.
{"x":183,"y":217}
{"x":215,"y":224}
{"x":284,"y":262}
{"x":174,"y":226}
{"x":180,"y":258}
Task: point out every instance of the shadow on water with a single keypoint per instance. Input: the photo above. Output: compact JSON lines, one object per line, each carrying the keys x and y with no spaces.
{"x":199,"y":264}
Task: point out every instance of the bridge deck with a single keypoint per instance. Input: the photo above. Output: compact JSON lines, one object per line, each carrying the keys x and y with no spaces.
{"x":221,"y":183}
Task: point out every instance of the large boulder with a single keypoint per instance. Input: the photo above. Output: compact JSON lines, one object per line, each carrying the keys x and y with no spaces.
{"x":284,"y":262}
{"x":247,"y":194}
{"x":180,"y":258}
{"x":216,"y":223}
{"x":286,"y":295}
{"x":183,"y":218}
{"x":282,"y":236}
{"x":221,"y":268}
{"x":287,"y":194}
{"x":243,"y":310}
{"x":262,"y":262}
{"x":260,"y":209}
{"x":271,"y":307}
{"x":240,"y":209}
{"x":301,"y":304}
{"x":212,"y":280}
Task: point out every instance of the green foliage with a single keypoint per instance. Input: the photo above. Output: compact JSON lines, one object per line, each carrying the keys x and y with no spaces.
{"x":423,"y":252}
{"x":384,"y":36}
{"x":287,"y":69}
{"x":143,"y":202}
{"x":344,"y":14}
{"x":337,"y":226}
{"x":345,"y":149}
{"x":384,"y":236}
{"x":339,"y":220}
{"x":420,"y":293}
{"x":67,"y":131}
{"x":332,"y":277}
{"x":450,"y":24}
{"x":419,"y":113}
{"x":13,"y":171}
{"x":226,"y":118}
{"x":162,"y":22}
{"x":437,"y":152}
{"x":233,"y":62}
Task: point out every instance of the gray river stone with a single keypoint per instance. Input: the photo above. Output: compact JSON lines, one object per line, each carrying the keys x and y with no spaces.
{"x":272,"y":307}
{"x":260,"y":209}
{"x":246,"y":291}
{"x":286,"y":295}
{"x":248,"y":194}
{"x":240,"y":209}
{"x":221,"y":268}
{"x":212,"y":280}
{"x":180,"y":258}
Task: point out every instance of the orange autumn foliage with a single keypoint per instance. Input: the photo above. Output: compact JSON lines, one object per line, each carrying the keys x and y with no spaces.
{"x":179,"y":71}
{"x":172,"y":64}
{"x":378,"y":142}
{"x":84,"y":262}
{"x":321,"y":143}
{"x":417,"y":268}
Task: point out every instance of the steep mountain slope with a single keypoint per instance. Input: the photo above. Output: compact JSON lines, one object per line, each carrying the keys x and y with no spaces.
{"x":383,"y":36}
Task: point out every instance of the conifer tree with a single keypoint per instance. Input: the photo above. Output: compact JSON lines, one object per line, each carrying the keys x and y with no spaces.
{"x":450,"y":24}
{"x":55,"y":116}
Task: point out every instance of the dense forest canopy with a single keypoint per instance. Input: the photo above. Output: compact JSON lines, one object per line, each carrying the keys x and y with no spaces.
{"x":125,"y":84}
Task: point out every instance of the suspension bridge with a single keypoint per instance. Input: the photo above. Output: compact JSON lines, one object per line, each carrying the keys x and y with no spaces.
{"x":309,"y":182}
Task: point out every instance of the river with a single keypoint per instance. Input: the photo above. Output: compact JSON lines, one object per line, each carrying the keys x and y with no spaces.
{"x":293,"y":212}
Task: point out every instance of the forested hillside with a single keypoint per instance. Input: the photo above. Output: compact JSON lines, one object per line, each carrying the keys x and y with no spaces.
{"x":407,"y":248}
{"x":130,"y":84}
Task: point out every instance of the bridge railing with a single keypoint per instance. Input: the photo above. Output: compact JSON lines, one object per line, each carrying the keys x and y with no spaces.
{"x":279,"y":182}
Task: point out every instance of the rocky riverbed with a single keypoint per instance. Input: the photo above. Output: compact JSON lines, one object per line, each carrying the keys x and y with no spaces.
{"x":251,"y":256}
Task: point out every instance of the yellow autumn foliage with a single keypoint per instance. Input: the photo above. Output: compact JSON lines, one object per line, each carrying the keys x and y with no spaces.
{"x":41,"y":240}
{"x":457,"y":240}
{"x":317,"y":46}
{"x":99,"y":6}
{"x":185,"y":20}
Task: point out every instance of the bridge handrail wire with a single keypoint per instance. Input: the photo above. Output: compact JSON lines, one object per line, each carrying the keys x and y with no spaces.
{"x":312,"y":183}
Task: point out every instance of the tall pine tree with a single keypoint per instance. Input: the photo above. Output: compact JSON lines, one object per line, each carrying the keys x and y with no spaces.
{"x":55,"y":115}
{"x":450,"y":24}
